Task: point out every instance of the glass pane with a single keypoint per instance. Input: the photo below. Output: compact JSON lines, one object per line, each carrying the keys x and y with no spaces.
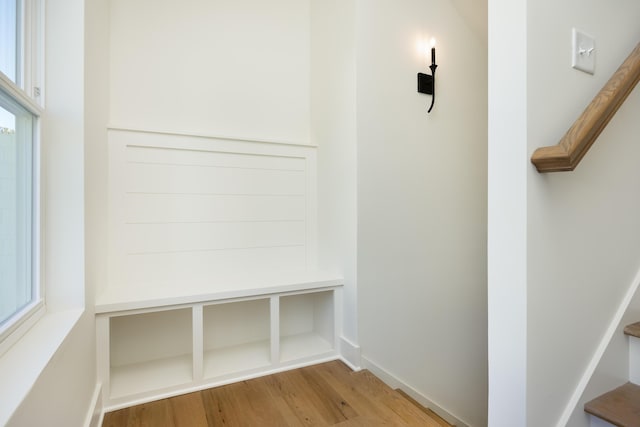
{"x":9,"y":38}
{"x":16,"y":216}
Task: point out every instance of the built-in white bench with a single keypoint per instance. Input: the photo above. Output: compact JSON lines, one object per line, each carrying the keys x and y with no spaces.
{"x":159,"y":341}
{"x":187,"y":215}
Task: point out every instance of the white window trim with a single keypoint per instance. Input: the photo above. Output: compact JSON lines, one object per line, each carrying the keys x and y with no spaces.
{"x":24,"y":320}
{"x":16,"y":92}
{"x":31,"y":70}
{"x":21,"y":321}
{"x":32,"y":50}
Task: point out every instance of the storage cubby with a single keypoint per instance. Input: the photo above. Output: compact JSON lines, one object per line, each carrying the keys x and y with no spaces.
{"x":236,"y":337}
{"x":150,"y":351}
{"x":159,"y":343}
{"x":307,"y":325}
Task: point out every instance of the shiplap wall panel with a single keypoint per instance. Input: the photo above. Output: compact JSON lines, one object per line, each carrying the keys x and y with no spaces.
{"x":196,"y":209}
{"x":199,"y":157}
{"x":167,"y":208}
{"x":204,"y":266}
{"x":211,"y":180}
{"x":183,"y":237}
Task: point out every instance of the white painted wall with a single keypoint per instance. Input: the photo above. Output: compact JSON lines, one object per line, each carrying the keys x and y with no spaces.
{"x":62,"y":395}
{"x":582,"y":237}
{"x":333,"y":129}
{"x":422,"y":203}
{"x":223,"y":68}
{"x":96,"y":149}
{"x":507,"y":215}
{"x":583,"y":245}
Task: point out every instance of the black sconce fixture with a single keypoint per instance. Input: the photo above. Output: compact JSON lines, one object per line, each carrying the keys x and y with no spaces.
{"x":426,"y":82}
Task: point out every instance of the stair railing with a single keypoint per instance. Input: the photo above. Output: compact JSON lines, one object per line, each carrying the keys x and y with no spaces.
{"x":566,"y":155}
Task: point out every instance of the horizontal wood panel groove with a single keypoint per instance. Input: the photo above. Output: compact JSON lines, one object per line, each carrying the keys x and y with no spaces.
{"x":203,"y":266}
{"x":153,"y":178}
{"x":216,"y":194}
{"x":221,"y":208}
{"x":195,"y":165}
{"x":276,"y":221}
{"x":213,"y":151}
{"x":232,"y":138}
{"x":159,"y":238}
{"x":566,"y":155}
{"x":222,"y":159}
{"x":226,"y":248}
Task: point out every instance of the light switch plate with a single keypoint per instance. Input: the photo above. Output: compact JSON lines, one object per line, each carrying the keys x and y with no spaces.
{"x":583,"y":52}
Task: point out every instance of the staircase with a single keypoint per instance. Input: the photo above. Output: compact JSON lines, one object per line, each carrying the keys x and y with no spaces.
{"x":621,"y":406}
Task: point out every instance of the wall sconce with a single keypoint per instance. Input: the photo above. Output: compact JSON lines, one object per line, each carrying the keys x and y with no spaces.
{"x":426,"y":82}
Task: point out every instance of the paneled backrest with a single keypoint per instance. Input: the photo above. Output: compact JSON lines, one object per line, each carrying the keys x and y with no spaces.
{"x":187,"y":209}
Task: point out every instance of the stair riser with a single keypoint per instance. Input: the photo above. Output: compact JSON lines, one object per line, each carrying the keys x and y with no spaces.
{"x":634,"y":360}
{"x":597,"y":422}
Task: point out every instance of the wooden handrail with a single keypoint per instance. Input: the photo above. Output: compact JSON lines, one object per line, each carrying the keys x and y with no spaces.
{"x":566,"y":155}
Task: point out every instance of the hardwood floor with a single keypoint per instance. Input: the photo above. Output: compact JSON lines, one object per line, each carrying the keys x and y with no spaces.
{"x":329,"y":394}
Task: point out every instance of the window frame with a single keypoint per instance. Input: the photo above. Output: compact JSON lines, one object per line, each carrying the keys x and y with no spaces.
{"x":28,"y":94}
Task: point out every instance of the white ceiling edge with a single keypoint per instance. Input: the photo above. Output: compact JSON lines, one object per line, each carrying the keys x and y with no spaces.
{"x":474,"y":13}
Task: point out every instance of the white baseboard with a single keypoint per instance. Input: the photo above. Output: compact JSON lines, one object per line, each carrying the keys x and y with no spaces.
{"x":95,"y":414}
{"x":395,"y":382}
{"x":350,"y":353}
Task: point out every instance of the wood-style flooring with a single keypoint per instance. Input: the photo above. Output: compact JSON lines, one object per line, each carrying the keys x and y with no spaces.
{"x":328,"y":394}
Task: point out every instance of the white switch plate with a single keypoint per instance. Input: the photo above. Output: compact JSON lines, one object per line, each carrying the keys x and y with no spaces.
{"x":583,"y":52}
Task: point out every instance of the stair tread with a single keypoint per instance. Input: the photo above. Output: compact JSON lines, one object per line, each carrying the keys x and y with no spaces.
{"x":633,"y":330}
{"x":620,"y":407}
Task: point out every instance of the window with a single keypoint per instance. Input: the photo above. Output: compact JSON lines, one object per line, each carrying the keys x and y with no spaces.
{"x":9,"y":38}
{"x":21,"y":299}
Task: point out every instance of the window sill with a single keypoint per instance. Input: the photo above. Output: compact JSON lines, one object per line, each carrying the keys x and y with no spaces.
{"x":23,"y":363}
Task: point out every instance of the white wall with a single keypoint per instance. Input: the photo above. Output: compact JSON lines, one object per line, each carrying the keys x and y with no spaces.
{"x":583,"y":245}
{"x":507,"y":216}
{"x":63,"y":393}
{"x":333,"y":129}
{"x":96,"y":149}
{"x":233,"y":68}
{"x":582,"y":237}
{"x":422,"y":203}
